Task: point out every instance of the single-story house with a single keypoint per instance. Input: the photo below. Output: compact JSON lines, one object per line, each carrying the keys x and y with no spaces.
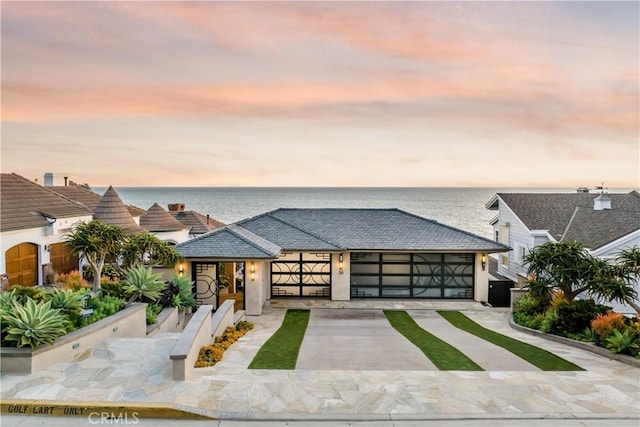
{"x":33,"y":222}
{"x":338,"y":254}
{"x":604,"y":223}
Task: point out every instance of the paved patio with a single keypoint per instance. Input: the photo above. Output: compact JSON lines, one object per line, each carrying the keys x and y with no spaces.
{"x":138,"y":370}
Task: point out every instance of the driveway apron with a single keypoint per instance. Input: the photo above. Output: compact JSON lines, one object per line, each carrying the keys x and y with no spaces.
{"x":356,"y":339}
{"x":489,"y":356}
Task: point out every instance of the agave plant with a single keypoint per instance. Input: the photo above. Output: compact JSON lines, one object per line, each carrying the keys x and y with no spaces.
{"x":185,"y":290}
{"x":142,"y":283}
{"x":626,"y":341}
{"x":33,"y":324}
{"x":68,"y":301}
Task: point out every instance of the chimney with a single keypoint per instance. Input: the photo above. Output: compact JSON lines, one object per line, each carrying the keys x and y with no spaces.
{"x":601,"y":202}
{"x":48,"y":179}
{"x":66,"y":181}
{"x":207,"y":219}
{"x":176,"y":207}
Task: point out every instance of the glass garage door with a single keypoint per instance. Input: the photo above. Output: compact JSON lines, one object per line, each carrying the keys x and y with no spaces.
{"x":301,"y":275}
{"x":410,"y":275}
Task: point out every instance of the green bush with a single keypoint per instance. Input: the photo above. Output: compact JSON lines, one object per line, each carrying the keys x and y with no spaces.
{"x":33,"y":324}
{"x":152,"y":312}
{"x":141,"y":284}
{"x":24,"y":293}
{"x":530,"y":305}
{"x":112,"y":288}
{"x":623,"y":342}
{"x":244,"y":326}
{"x":575,"y":317}
{"x":103,"y":306}
{"x":529,"y":321}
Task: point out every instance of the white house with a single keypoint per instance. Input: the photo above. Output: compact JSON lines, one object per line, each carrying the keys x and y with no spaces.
{"x":339,"y":254}
{"x":33,"y":222}
{"x":604,"y":223}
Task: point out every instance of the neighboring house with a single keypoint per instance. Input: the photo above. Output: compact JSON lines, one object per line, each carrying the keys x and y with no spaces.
{"x":33,"y":222}
{"x":197,"y":223}
{"x":162,"y":224}
{"x":340,"y":254}
{"x":604,"y":223}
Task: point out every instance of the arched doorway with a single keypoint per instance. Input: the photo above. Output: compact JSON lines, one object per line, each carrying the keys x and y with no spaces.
{"x":22,"y":264}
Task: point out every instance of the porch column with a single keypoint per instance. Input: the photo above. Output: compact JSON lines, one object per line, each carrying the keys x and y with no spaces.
{"x":254,"y":286}
{"x":482,"y":278}
{"x":341,"y":277}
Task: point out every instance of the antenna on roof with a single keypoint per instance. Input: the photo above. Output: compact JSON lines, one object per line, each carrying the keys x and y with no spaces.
{"x":601,"y":187}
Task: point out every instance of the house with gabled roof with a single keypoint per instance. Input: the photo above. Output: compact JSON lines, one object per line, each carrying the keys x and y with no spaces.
{"x":162,"y":224}
{"x":604,"y":223}
{"x":197,"y":223}
{"x":33,"y":222}
{"x":342,"y":254}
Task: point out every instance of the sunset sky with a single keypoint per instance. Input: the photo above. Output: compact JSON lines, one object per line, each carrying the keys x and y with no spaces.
{"x":483,"y":94}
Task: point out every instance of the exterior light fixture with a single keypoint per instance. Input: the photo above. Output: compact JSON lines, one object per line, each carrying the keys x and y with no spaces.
{"x":340,"y":264}
{"x":181,"y":269}
{"x":253,"y":271}
{"x":47,"y":248}
{"x":484,"y":261}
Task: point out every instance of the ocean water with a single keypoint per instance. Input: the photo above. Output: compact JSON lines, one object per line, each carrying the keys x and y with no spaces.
{"x":463,"y":208}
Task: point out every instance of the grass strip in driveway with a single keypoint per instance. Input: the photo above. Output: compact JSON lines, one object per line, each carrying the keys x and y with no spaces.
{"x":543,"y":359}
{"x":281,"y":350}
{"x":445,"y":356}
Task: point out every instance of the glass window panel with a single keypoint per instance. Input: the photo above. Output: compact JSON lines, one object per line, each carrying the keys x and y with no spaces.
{"x":396,"y":292}
{"x":285,"y":290}
{"x":314,"y":291}
{"x":458,"y":293}
{"x":364,"y":292}
{"x":458,"y":258}
{"x":364,"y":257}
{"x":365,"y":268}
{"x":285,"y":267}
{"x":396,"y":268}
{"x":289,"y":256}
{"x":427,"y":269}
{"x":316,"y":267}
{"x":427,"y":281}
{"x":365,"y":280}
{"x":427,"y":292}
{"x":396,"y":257}
{"x":458,"y":281}
{"x":424,"y":258}
{"x":396,"y":281}
{"x":316,"y":279}
{"x":284,"y":279}
{"x":316,"y":256}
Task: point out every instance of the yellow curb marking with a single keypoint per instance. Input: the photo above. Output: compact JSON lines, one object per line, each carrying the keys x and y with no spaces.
{"x":96,"y":411}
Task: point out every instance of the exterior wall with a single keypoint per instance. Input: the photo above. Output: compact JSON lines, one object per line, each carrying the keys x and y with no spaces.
{"x":41,"y":236}
{"x":254,"y":290}
{"x":173,"y":236}
{"x":481,"y":283}
{"x":519,"y":236}
{"x":341,"y":280}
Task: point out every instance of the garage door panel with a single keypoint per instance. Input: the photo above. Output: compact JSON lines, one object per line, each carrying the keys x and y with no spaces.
{"x":21,"y":264}
{"x":308,"y":276}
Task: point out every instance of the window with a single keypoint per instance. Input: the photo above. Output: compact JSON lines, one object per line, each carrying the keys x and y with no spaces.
{"x":522,"y":252}
{"x":504,"y":260}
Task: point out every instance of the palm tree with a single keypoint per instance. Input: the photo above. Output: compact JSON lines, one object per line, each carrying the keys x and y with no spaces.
{"x":96,"y":242}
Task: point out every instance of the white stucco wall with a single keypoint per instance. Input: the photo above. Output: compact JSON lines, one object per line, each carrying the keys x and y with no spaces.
{"x":254,"y":290}
{"x":173,"y":236}
{"x":40,"y":236}
{"x":481,"y":285}
{"x":340,"y":280}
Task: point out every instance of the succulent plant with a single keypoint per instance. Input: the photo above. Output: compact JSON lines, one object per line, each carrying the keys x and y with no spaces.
{"x":31,"y":324}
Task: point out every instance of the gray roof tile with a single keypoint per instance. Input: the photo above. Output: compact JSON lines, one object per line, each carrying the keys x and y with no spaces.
{"x":230,"y":241}
{"x":572,"y":217}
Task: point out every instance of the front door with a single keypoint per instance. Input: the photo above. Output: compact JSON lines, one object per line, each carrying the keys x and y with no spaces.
{"x":216,"y":282}
{"x":205,"y":278}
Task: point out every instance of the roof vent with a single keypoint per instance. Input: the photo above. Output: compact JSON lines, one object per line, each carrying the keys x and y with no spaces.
{"x":601,"y":202}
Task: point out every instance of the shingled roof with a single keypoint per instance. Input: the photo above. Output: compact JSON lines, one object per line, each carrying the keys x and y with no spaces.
{"x":113,"y":211}
{"x":230,"y":242}
{"x":88,"y":197}
{"x":346,"y":229}
{"x":196,"y":222}
{"x":157,"y":219}
{"x":25,"y":204}
{"x":571,"y":216}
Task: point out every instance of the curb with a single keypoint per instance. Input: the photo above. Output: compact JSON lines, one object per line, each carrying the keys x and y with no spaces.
{"x":600,"y":351}
{"x":115,"y":412}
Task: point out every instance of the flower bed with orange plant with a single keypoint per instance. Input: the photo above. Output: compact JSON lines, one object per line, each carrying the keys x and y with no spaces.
{"x":212,"y":354}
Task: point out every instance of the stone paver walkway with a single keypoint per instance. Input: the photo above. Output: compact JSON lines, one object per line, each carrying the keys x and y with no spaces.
{"x":139,"y":370}
{"x":359,"y":339}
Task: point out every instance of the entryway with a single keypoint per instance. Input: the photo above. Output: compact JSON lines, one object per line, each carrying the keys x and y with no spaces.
{"x":216,"y":282}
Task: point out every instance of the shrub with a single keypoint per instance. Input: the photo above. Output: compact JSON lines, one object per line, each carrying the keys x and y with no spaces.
{"x":73,"y":281}
{"x":210,"y":355}
{"x":103,"y":306}
{"x":623,"y":342}
{"x":574,"y":317}
{"x":604,"y":325}
{"x":549,"y":320}
{"x":141,"y":284}
{"x":152,"y":312}
{"x":33,"y":324}
{"x":530,"y":305}
{"x":22,"y":294}
{"x":244,"y":325}
{"x":185,"y":290}
{"x":112,"y":288}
